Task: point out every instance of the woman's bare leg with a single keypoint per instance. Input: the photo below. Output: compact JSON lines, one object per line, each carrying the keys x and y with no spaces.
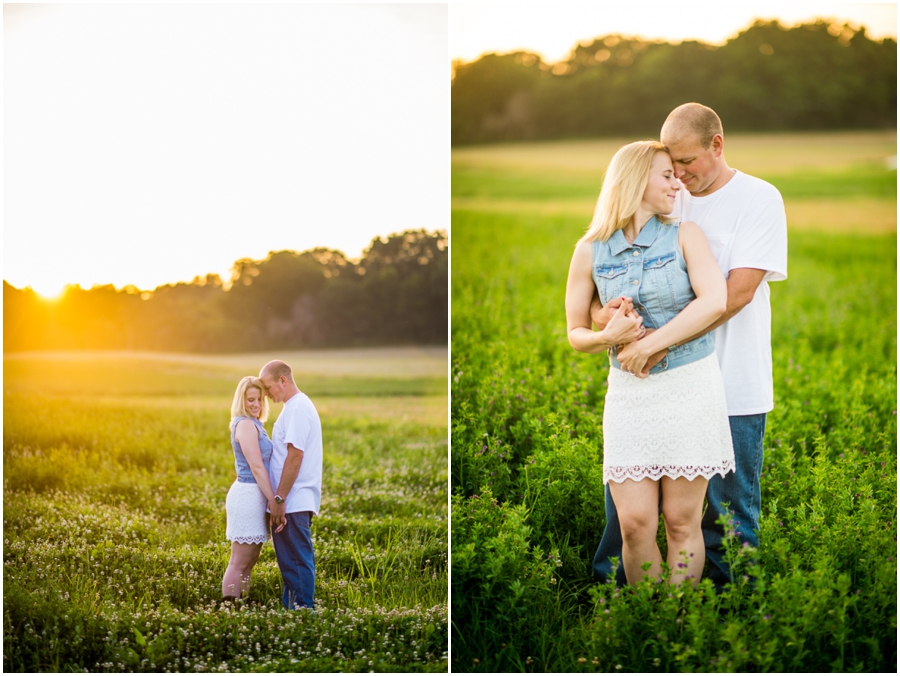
{"x":248,"y":570}
{"x":237,"y":575}
{"x":682,"y":501}
{"x":637,"y":503}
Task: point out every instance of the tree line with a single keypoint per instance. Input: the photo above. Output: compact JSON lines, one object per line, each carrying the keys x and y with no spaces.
{"x":395,"y":295}
{"x":816,"y":75}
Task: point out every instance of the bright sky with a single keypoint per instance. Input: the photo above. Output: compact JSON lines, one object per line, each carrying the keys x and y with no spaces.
{"x":147,"y":144}
{"x":552,"y":30}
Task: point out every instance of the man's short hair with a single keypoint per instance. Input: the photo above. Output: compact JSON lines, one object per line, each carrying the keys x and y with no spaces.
{"x":276,"y":368}
{"x":693,"y":118}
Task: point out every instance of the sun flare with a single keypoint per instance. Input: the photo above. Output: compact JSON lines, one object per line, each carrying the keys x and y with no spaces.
{"x":49,"y":290}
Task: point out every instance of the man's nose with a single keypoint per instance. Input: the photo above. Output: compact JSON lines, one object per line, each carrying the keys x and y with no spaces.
{"x":679,"y":171}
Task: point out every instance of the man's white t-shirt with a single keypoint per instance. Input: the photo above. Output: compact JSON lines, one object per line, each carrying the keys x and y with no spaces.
{"x":746,"y":226}
{"x":299,"y":425}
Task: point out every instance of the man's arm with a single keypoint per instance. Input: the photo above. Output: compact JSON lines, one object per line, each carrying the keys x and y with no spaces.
{"x":288,"y":475}
{"x":742,"y":284}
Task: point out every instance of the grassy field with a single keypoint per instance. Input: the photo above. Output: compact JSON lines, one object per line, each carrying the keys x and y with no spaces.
{"x":115,"y":471}
{"x":526,"y":411}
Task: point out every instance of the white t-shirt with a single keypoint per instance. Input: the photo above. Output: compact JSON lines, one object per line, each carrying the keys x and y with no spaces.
{"x":299,"y":425}
{"x":746,"y":226}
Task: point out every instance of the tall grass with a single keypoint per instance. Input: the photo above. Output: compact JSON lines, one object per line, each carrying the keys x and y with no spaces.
{"x":526,"y":473}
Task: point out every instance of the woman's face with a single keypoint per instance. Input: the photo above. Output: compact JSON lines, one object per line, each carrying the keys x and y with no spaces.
{"x":659,"y":195}
{"x":253,"y":401}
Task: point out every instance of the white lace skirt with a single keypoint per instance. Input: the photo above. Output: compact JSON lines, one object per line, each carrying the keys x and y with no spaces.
{"x":246,"y":510}
{"x":673,"y":423}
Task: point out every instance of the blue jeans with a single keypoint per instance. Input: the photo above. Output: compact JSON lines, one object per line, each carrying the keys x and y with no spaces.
{"x":296,"y":561}
{"x":739,"y":489}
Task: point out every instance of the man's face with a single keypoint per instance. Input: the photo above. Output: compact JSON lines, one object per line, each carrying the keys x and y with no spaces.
{"x":274,"y":387}
{"x":695,"y":166}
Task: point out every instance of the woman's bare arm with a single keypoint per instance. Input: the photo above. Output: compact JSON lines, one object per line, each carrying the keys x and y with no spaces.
{"x":248,"y":437}
{"x":622,"y":327}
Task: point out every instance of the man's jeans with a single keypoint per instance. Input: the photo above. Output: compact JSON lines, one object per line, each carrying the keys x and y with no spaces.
{"x":294,"y":551}
{"x":739,"y":489}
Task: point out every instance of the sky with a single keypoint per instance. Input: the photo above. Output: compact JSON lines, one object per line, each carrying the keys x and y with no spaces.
{"x":552,"y":30}
{"x":147,"y":144}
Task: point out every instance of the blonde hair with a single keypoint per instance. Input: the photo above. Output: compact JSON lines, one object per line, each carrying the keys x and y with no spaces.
{"x":623,"y":188}
{"x":239,"y":406}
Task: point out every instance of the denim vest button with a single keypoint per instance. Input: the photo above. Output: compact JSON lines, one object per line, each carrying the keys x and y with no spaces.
{"x":635,"y":282}
{"x":636,"y":253}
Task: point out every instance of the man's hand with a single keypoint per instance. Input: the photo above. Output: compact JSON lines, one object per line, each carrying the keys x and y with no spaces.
{"x":653,"y":360}
{"x":602,"y":314}
{"x":277,"y":517}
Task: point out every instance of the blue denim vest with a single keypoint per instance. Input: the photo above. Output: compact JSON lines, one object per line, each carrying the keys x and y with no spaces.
{"x":653,"y":272}
{"x":241,"y":466}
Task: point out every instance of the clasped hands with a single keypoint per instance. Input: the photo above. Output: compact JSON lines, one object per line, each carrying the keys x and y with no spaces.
{"x":623,"y":326}
{"x":277,"y":515}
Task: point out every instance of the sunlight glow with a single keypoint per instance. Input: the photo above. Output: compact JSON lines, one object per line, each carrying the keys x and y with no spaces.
{"x":49,"y":291}
{"x":147,"y":144}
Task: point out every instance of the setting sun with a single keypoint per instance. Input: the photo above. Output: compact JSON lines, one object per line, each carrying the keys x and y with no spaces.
{"x":49,"y":290}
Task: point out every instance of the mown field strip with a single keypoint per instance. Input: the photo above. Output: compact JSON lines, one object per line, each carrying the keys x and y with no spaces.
{"x":396,"y":362}
{"x":855,"y":216}
{"x":863,"y":215}
{"x":752,"y":153}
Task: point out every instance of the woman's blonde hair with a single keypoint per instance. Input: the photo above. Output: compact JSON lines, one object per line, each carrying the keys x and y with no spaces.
{"x":623,"y":188}
{"x":239,"y":407}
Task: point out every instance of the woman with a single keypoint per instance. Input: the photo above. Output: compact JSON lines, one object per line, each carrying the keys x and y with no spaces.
{"x":250,"y":494}
{"x":665,"y":429}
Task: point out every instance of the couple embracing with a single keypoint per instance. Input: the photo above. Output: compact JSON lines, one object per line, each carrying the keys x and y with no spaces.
{"x":676,"y":281}
{"x":278,"y":486}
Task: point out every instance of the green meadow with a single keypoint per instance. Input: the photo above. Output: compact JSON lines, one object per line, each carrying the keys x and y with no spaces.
{"x":526,"y":410}
{"x":115,"y":471}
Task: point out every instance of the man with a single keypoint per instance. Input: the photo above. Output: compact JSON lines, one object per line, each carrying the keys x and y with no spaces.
{"x":744,"y":220}
{"x":296,"y":473}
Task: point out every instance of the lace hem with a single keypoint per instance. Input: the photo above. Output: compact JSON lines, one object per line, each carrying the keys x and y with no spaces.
{"x":657,"y":472}
{"x":252,"y":540}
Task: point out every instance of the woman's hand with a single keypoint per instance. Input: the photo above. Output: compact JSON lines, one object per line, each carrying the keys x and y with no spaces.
{"x":625,"y":326}
{"x":654,"y":358}
{"x":602,"y":314}
{"x":633,"y":358}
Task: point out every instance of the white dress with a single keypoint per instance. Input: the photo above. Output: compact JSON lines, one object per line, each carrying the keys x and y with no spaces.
{"x":673,"y":423}
{"x":245,"y":506}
